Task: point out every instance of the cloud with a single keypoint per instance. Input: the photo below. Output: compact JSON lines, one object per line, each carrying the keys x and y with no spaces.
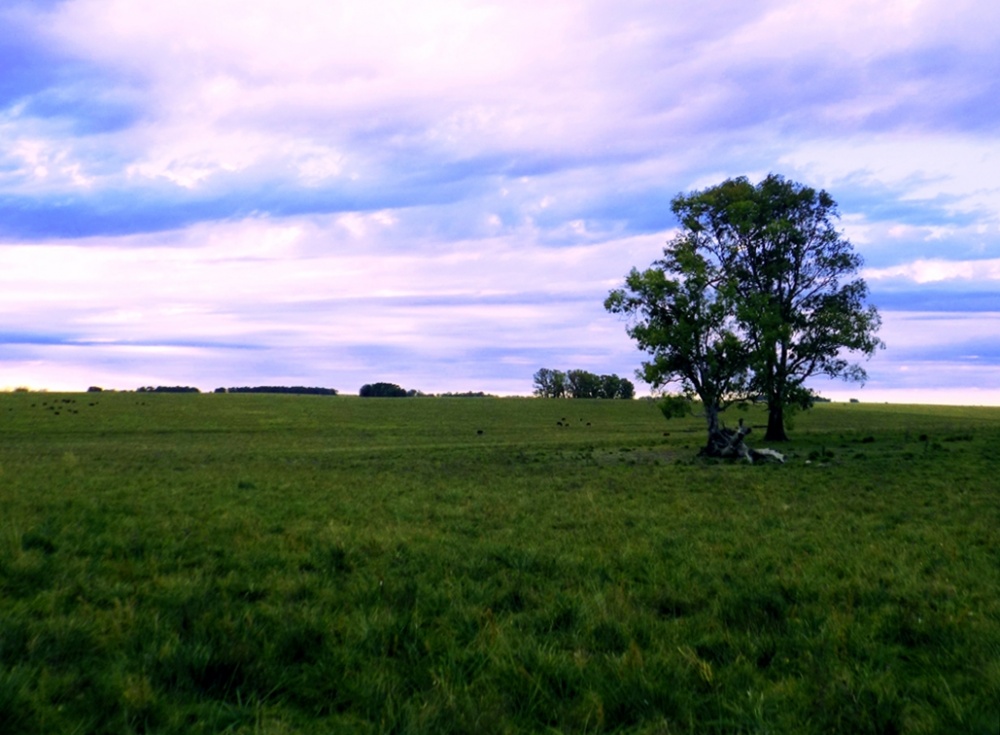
{"x":936,"y":271}
{"x":339,"y":286}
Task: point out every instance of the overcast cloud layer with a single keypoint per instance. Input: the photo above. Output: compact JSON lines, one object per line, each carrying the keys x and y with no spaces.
{"x":311,"y":192}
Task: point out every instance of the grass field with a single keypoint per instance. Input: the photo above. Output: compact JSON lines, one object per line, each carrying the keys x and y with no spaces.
{"x":285,"y":564}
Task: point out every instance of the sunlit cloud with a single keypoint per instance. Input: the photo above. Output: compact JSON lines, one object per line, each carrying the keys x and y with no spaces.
{"x":935,"y":271}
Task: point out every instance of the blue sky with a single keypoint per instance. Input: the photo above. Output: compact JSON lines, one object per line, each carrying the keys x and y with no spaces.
{"x":313,"y":192}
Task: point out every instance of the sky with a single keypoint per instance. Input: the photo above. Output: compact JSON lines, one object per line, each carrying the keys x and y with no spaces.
{"x":441,"y":194}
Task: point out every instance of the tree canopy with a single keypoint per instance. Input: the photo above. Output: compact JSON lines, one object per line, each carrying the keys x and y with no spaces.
{"x":682,"y":312}
{"x":581,"y":384}
{"x":757,"y":293}
{"x":383,"y":390}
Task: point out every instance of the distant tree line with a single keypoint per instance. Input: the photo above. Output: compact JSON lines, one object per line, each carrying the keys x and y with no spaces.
{"x":168,"y":389}
{"x":581,"y":384}
{"x":296,"y":389}
{"x":386,"y":390}
{"x":369,"y":390}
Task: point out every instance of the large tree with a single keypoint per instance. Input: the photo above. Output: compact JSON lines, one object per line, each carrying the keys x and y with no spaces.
{"x":793,"y":281}
{"x":550,"y":383}
{"x":681,"y":312}
{"x":613,"y":386}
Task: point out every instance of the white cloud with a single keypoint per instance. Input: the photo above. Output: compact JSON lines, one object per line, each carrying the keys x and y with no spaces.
{"x":937,"y":270}
{"x":38,"y":163}
{"x":912,"y":330}
{"x":224,"y":288}
{"x":923,"y":167}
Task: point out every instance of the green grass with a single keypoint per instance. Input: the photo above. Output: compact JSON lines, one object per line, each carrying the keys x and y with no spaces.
{"x":285,"y":564}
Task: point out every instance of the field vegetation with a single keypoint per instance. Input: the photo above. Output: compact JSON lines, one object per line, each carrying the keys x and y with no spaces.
{"x":248,"y":563}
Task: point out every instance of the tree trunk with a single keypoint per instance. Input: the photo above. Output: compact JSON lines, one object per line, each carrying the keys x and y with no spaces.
{"x":712,"y":418}
{"x":776,"y":423}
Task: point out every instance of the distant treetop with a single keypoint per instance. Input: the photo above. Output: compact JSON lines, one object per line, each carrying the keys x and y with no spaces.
{"x":581,"y":384}
{"x":384,"y":390}
{"x":168,"y":389}
{"x":295,"y":389}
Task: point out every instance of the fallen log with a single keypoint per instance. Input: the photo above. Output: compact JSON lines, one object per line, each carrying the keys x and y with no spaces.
{"x":726,"y":443}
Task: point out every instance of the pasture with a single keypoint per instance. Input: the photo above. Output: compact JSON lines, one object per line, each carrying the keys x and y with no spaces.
{"x":311,"y":564}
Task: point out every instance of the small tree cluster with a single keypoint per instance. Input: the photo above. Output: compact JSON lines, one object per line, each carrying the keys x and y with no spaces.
{"x":168,"y":389}
{"x":294,"y":389}
{"x":385,"y":390}
{"x":581,"y":384}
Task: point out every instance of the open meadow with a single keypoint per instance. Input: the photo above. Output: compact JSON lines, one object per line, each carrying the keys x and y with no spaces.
{"x":313,"y":564}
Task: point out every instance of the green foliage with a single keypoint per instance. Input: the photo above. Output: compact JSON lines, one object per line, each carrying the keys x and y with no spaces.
{"x":382,"y":390}
{"x":613,"y":386}
{"x":550,"y":383}
{"x":682,"y":313}
{"x":167,"y":389}
{"x":778,"y":249}
{"x":674,"y":407}
{"x":293,"y":389}
{"x":757,"y":294}
{"x":263,"y":563}
{"x":581,"y":384}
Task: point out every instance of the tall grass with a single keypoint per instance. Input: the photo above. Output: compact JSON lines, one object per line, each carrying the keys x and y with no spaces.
{"x":250,"y":563}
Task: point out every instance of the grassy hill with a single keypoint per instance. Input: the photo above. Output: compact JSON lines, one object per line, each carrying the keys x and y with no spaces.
{"x":279,"y":564}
